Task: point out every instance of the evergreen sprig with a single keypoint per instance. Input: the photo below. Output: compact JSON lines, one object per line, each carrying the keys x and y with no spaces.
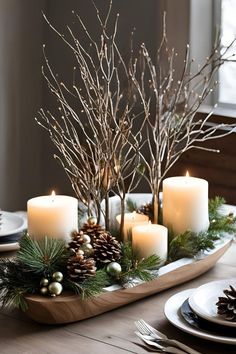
{"x":44,"y":256}
{"x":15,"y":281}
{"x":90,"y":287}
{"x":133,"y":267}
{"x":130,"y":205}
{"x":189,"y":243}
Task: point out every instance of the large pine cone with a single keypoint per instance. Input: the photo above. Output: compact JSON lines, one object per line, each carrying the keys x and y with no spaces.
{"x":77,"y":241}
{"x":80,"y":268}
{"x":227,"y":305}
{"x":92,"y":230}
{"x":106,"y":249}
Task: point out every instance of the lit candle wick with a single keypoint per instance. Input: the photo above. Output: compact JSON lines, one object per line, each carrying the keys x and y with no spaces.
{"x":187,"y":177}
{"x":53,"y":196}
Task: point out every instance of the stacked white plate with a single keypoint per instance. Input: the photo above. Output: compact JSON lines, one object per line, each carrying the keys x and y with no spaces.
{"x":12,"y":227}
{"x":202,"y":302}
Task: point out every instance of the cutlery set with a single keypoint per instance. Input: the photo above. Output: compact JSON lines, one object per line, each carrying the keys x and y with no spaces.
{"x":159,"y":341}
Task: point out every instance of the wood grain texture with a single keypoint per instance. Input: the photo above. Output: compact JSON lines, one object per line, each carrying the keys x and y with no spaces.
{"x":69,"y":308}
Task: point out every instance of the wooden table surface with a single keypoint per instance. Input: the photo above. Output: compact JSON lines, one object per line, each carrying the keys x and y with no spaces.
{"x":112,"y":332}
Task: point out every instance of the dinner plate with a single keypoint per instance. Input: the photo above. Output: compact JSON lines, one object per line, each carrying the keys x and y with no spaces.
{"x":203,"y":301}
{"x":173,"y":314}
{"x":11,"y":223}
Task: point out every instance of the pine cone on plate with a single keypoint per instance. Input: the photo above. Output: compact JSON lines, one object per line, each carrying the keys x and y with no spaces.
{"x":227,"y":305}
{"x":106,"y":249}
{"x":80,"y":268}
{"x":77,"y":241}
{"x":92,"y":230}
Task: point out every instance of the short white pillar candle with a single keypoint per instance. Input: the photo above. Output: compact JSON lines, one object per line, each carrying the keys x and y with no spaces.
{"x":54,"y":216}
{"x":131,"y":220}
{"x":150,"y":239}
{"x":185,"y":204}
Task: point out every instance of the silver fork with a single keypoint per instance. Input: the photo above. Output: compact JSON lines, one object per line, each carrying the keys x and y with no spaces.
{"x":145,"y":329}
{"x":159,"y":348}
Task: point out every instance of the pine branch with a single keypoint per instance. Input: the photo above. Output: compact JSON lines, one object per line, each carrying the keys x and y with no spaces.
{"x":132,"y":267}
{"x":189,"y":243}
{"x":15,"y":281}
{"x":43,"y":256}
{"x":90,"y":287}
{"x":130,"y":205}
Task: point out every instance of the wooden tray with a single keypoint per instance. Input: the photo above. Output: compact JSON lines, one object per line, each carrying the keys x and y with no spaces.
{"x":68,"y":307}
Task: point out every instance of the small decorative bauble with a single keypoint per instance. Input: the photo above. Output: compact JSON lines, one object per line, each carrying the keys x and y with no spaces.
{"x":44,"y":282}
{"x":86,"y":238}
{"x":87,"y":249}
{"x":55,"y":288}
{"x":92,"y":220}
{"x":44,"y":290}
{"x":114,"y":269}
{"x":57,"y":276}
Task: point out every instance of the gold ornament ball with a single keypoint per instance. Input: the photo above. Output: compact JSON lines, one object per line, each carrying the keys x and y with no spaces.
{"x":114,"y":269}
{"x":87,"y":249}
{"x":92,"y":220}
{"x":86,"y":239}
{"x":55,"y":288}
{"x":44,"y":290}
{"x":44,"y":282}
{"x":57,"y":276}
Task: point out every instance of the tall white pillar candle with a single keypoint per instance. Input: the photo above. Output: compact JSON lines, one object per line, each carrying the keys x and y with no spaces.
{"x":54,"y":216}
{"x":131,"y":220}
{"x":150,"y":239}
{"x":185,"y":204}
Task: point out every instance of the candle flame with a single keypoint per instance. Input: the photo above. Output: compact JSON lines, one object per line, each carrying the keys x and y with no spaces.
{"x":187,"y":174}
{"x":53,"y":194}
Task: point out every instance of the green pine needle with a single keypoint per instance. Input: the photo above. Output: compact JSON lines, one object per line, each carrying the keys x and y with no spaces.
{"x":130,"y":205}
{"x":189,"y":243}
{"x":132,"y":267}
{"x":43,"y":256}
{"x":90,"y":287}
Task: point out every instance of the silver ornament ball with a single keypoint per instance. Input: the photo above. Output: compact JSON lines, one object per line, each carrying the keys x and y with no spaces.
{"x":86,"y":239}
{"x":44,"y":290}
{"x":44,"y":282}
{"x":55,"y":288}
{"x":114,"y":269}
{"x":57,"y":276}
{"x":87,"y":249}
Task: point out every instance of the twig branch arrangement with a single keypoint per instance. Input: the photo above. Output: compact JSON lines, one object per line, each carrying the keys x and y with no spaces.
{"x":97,"y":146}
{"x":101,"y":132}
{"x":170,"y":108}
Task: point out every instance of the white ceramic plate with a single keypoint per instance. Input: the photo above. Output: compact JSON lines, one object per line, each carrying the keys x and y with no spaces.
{"x":172,"y":313}
{"x":11,"y":223}
{"x":203,"y":301}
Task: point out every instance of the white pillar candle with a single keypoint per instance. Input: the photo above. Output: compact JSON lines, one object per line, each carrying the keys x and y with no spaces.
{"x":185,"y":204}
{"x":150,"y":239}
{"x":131,"y":220}
{"x":54,"y":216}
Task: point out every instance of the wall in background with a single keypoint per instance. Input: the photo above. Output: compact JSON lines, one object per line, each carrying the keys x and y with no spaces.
{"x":21,"y":34}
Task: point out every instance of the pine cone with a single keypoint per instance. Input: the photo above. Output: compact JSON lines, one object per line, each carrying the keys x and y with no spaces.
{"x":80,"y":268}
{"x":77,"y":241}
{"x":106,"y":249}
{"x":92,"y":230}
{"x":146,"y":209}
{"x":227,"y":305}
